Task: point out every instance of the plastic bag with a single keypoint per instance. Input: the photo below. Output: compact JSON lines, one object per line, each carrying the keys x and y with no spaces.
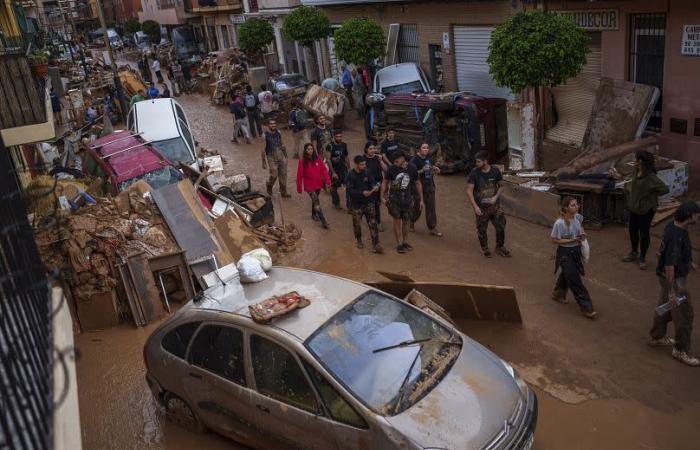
{"x":585,"y":251}
{"x":261,"y":255}
{"x":250,"y":270}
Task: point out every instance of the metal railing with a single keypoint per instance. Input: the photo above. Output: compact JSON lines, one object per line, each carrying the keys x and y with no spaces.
{"x":26,"y":340}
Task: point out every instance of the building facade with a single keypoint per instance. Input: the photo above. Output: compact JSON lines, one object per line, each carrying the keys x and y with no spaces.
{"x":168,"y":13}
{"x":214,"y":22}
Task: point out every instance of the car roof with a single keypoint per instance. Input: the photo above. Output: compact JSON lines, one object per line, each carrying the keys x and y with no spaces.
{"x":140,"y":158}
{"x":156,"y":119}
{"x":327,"y":294}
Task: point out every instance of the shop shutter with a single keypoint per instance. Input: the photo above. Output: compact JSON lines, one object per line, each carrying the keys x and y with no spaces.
{"x":574,"y":100}
{"x":471,"y":45}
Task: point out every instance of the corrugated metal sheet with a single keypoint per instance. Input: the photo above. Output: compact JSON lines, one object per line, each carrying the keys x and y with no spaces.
{"x":408,"y":43}
{"x":574,"y":100}
{"x":471,"y":45}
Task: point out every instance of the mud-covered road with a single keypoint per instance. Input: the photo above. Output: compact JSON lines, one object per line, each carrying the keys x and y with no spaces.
{"x":599,"y":385}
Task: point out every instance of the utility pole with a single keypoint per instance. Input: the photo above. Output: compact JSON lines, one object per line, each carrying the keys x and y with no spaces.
{"x":117,"y":82}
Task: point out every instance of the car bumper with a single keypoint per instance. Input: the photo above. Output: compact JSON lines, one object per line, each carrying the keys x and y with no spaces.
{"x":526,"y":435}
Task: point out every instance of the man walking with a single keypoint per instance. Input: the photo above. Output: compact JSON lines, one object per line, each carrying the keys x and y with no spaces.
{"x":251,"y":108}
{"x":375,"y":171}
{"x":675,"y":263}
{"x":338,"y":156}
{"x":274,"y":155}
{"x":265,"y":101}
{"x":484,"y":190}
{"x":321,"y":135}
{"x":397,"y":192}
{"x":346,"y":81}
{"x":297,"y":122}
{"x":359,"y":90}
{"x":390,"y":146}
{"x":240,"y":122}
{"x":156,"y":69}
{"x":426,"y":170}
{"x":361,"y":188}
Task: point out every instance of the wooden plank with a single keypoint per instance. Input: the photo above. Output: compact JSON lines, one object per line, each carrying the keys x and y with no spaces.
{"x":579,"y":186}
{"x":36,"y":98}
{"x":462,"y":300}
{"x":145,"y":287}
{"x":21,"y":92}
{"x":11,"y":99}
{"x":534,"y":206}
{"x":598,"y":157}
{"x":6,"y":119}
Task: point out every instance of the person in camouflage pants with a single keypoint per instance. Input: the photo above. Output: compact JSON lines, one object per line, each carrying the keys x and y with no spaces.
{"x":493,"y":214}
{"x":274,"y":155}
{"x":361,"y":189}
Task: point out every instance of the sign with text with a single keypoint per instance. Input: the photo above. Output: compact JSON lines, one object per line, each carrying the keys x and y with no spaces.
{"x":690,"y":44}
{"x":237,"y":18}
{"x":594,"y":19}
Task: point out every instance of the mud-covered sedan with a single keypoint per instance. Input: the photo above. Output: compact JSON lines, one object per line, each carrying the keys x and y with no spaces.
{"x":356,"y":369}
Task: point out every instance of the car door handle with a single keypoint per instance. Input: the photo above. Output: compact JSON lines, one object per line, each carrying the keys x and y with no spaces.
{"x":263,"y":408}
{"x":195,"y":375}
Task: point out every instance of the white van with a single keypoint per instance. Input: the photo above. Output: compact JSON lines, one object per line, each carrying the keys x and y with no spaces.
{"x":114,"y":39}
{"x":163,"y":123}
{"x":405,"y":78}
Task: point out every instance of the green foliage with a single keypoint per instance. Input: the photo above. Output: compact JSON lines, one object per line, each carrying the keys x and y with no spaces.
{"x":536,"y":49}
{"x":306,"y":25}
{"x":132,"y":26}
{"x":359,"y":40}
{"x":255,"y":34}
{"x":152,"y":29}
{"x":39,"y":57}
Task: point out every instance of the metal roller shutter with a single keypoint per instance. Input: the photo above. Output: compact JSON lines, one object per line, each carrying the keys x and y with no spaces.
{"x":408,"y":43}
{"x":471,"y":50}
{"x":574,"y":100}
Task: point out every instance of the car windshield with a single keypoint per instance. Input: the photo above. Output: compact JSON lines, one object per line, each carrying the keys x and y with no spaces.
{"x":289,"y":82}
{"x":406,"y":88}
{"x":156,"y":179}
{"x":174,"y":149}
{"x":387,"y":353}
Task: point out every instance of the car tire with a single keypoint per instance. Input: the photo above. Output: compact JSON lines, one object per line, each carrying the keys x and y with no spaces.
{"x":179,"y":412}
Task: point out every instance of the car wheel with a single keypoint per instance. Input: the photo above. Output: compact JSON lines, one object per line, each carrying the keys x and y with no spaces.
{"x":178,"y":411}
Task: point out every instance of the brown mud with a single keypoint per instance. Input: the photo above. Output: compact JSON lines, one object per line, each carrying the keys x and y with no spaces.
{"x":599,"y":385}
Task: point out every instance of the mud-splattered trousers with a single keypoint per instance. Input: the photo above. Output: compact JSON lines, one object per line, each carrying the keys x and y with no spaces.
{"x":316,"y":211}
{"x":277,"y":165}
{"x":493,"y":214}
{"x":569,"y":269}
{"x":367,"y":211}
{"x":682,"y":315}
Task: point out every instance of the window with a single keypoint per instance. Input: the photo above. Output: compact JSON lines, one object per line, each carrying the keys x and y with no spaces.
{"x":219,"y":350}
{"x":180,"y":113}
{"x":278,"y":375}
{"x":176,"y":341}
{"x":339,"y":409}
{"x":187,"y":136}
{"x":156,"y":178}
{"x":174,"y":149}
{"x":647,"y":47}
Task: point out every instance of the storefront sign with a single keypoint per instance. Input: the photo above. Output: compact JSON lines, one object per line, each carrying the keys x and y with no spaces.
{"x":690,"y":44}
{"x":237,"y":18}
{"x":594,"y":19}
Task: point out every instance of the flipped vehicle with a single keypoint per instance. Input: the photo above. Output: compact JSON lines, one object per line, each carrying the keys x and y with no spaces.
{"x":406,"y":78}
{"x":143,"y":42}
{"x":163,"y":123}
{"x":184,"y":43}
{"x":121,"y":159}
{"x":355,"y":369}
{"x":289,"y":85}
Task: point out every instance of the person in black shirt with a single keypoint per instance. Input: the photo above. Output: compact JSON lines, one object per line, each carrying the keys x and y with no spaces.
{"x":399,"y":184}
{"x":274,"y":155}
{"x":337,"y":154}
{"x":484,"y":190}
{"x":374,"y":168}
{"x":675,"y":262}
{"x":361,"y":188}
{"x":427,"y":171}
{"x":389,"y":148}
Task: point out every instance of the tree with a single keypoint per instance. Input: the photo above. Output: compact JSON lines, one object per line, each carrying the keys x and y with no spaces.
{"x":152,"y":29}
{"x":254,"y":35}
{"x":536,"y":48}
{"x":132,"y":26}
{"x":359,"y":40}
{"x":306,"y":25}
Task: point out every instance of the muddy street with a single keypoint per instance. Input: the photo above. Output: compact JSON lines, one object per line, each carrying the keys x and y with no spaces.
{"x":599,"y":385}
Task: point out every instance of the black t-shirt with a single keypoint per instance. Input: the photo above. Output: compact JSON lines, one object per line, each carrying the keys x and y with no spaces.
{"x":339,"y":153}
{"x":402,"y":183}
{"x":356,"y":183}
{"x":485,"y":184}
{"x":237,"y":109}
{"x":321,"y":137}
{"x":427,"y":177}
{"x":389,"y":148}
{"x":675,"y":251}
{"x":374,"y":168}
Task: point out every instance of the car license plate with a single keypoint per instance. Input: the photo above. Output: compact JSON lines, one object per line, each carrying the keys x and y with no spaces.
{"x":528,"y":442}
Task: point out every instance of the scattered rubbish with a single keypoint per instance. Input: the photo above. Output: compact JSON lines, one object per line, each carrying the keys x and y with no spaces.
{"x":250,"y":270}
{"x":261,"y":255}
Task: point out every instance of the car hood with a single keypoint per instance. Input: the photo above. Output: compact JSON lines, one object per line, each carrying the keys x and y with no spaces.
{"x":468,"y":408}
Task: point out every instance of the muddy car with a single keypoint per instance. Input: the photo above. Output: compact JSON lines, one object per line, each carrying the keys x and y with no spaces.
{"x":355,"y":369}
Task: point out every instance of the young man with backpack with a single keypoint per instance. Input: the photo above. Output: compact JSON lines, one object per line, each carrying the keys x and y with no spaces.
{"x":297,"y":121}
{"x":362,"y":188}
{"x":251,"y":107}
{"x":339,"y":162}
{"x":400,"y":183}
{"x":239,"y":119}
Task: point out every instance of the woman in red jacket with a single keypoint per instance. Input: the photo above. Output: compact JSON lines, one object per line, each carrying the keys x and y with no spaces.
{"x":313,"y":174}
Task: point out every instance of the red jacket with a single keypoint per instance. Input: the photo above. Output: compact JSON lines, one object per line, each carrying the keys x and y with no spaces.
{"x":312,"y":175}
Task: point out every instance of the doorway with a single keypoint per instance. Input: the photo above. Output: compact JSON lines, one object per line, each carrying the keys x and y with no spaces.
{"x":647,"y":42}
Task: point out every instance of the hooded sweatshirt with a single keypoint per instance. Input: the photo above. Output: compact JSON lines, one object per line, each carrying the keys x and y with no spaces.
{"x":644,"y":193}
{"x":312,"y":175}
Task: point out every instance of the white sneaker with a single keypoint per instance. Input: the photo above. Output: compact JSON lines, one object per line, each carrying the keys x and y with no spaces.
{"x":685,"y":358}
{"x":662,"y":342}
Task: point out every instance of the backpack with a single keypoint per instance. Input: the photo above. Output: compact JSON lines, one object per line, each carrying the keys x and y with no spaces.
{"x":237,"y":110}
{"x":300,"y":118}
{"x":250,"y":100}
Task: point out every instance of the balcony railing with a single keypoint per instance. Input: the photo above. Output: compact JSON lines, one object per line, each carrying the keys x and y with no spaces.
{"x":214,"y":5}
{"x":23,"y":100}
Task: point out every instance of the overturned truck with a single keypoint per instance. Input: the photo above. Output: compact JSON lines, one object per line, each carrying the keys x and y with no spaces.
{"x":457,"y":125}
